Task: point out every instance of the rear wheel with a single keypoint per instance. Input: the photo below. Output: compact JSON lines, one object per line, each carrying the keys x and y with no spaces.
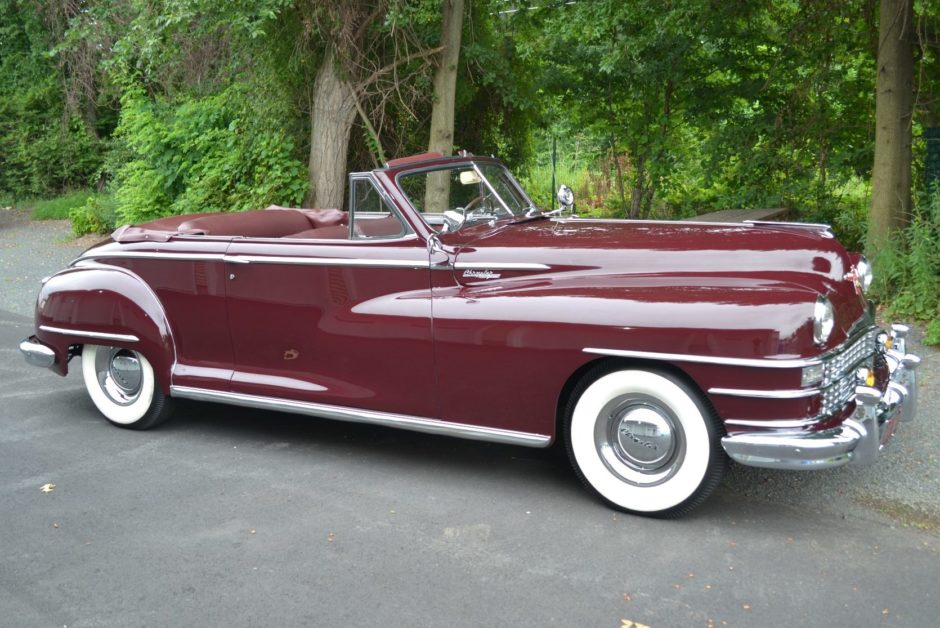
{"x":644,"y":441}
{"x":122,"y":385}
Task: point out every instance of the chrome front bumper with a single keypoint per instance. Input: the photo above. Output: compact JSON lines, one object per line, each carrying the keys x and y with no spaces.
{"x":37,"y":353}
{"x":858,"y":440}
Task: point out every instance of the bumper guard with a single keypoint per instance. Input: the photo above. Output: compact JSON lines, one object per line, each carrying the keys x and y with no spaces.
{"x":37,"y":353}
{"x":858,"y":440}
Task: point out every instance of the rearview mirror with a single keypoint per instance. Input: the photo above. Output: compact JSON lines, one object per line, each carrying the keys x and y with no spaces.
{"x":469,"y":177}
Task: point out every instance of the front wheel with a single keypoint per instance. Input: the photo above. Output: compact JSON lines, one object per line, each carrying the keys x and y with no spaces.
{"x":644,"y":441}
{"x":122,"y":385}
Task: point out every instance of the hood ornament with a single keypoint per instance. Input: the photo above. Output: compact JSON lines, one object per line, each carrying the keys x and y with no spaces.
{"x":853,"y":276}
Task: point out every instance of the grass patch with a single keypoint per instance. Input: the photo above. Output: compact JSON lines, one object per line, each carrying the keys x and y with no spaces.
{"x":58,"y":208}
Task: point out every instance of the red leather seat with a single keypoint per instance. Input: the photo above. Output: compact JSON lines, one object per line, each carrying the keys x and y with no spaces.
{"x":337,"y":232}
{"x":268,"y":223}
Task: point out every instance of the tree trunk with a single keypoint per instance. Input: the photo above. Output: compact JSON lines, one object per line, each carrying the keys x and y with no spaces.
{"x":891,"y":173}
{"x":639,"y":186}
{"x":332,"y":111}
{"x":445,"y":92}
{"x":618,"y":166}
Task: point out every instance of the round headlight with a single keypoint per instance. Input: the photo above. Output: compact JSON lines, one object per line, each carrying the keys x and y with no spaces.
{"x":824,"y":320}
{"x":864,"y":272}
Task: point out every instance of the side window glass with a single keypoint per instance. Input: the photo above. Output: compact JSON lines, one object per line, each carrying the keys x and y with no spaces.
{"x":370,"y":215}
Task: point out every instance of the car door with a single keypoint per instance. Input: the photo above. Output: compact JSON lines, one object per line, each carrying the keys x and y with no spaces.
{"x":343,"y":321}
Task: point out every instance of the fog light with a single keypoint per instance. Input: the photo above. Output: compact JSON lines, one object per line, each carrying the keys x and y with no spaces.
{"x":812,"y":375}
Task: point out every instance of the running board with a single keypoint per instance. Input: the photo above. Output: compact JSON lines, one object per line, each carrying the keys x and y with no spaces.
{"x":372,"y":417}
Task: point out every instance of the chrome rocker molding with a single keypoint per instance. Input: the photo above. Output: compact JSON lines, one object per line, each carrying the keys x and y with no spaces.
{"x":860,"y":438}
{"x":352,"y":415}
{"x":99,"y":335}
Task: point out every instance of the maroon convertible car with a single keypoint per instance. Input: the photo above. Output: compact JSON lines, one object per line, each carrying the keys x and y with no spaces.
{"x":444,"y":301}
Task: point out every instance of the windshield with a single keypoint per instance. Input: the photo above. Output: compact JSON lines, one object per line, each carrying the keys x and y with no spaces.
{"x":464,"y":193}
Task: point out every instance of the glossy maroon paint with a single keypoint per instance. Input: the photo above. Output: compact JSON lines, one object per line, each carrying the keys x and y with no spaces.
{"x":104,"y":299}
{"x":432,"y":342}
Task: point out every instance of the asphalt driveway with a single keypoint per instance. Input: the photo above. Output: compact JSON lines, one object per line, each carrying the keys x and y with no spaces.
{"x":228,"y":516}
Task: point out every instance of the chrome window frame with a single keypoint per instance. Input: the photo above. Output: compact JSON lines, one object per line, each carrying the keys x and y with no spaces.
{"x":407,"y":231}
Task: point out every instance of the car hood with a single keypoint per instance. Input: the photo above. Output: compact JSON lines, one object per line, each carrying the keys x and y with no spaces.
{"x":801,"y":259}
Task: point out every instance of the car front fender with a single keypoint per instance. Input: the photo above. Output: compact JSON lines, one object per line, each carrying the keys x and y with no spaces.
{"x":106,"y":305}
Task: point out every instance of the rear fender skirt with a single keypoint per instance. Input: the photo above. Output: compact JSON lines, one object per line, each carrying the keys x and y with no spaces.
{"x":105,"y":305}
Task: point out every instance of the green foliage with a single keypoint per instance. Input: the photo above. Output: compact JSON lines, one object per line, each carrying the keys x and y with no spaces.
{"x":907,"y":270}
{"x":60,"y":207}
{"x":223,"y":152}
{"x":96,"y":215}
{"x":44,"y":147}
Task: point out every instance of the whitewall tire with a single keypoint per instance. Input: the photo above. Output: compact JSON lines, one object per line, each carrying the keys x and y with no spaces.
{"x":122,"y":385}
{"x":644,"y":441}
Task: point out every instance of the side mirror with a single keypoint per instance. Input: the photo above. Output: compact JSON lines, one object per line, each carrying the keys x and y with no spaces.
{"x":565,"y":198}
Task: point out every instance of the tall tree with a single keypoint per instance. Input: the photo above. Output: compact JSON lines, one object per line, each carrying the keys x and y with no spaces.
{"x":891,"y":174}
{"x":366,"y":46}
{"x":445,"y":96}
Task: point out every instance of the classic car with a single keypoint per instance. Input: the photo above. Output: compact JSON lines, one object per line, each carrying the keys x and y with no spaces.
{"x":443,"y":301}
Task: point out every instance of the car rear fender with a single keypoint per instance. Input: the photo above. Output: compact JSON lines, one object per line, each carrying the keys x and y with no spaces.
{"x":106,"y":305}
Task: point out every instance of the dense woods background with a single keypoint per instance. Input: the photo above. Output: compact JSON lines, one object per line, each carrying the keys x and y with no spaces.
{"x":124,"y":110}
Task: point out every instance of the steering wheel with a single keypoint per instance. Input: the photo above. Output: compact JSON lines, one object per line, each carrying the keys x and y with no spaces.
{"x":471,"y":207}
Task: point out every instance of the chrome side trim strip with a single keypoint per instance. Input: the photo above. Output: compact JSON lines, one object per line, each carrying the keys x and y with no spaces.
{"x":785,"y":223}
{"x":707,"y":359}
{"x":195,"y":257}
{"x":783,"y":424}
{"x":259,"y":259}
{"x":765,"y":394}
{"x":90,"y":334}
{"x":500,"y":266}
{"x":326,"y":261}
{"x":353,"y":415}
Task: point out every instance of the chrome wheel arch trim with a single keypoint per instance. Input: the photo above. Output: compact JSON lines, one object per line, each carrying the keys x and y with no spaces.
{"x":706,"y":359}
{"x":98,"y":335}
{"x":373,"y":417}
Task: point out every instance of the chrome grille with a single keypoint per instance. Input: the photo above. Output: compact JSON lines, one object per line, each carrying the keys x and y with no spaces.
{"x":840,"y":367}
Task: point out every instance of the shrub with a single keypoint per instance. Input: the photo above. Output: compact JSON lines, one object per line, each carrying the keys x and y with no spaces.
{"x":224,"y":152}
{"x":95,"y":216}
{"x":908,"y":269}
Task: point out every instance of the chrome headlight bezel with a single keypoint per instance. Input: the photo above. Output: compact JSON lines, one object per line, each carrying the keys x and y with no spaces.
{"x":824,"y":320}
{"x":865,"y":274}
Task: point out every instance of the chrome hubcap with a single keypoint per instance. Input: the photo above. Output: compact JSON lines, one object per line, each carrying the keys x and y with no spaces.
{"x":639,"y":439}
{"x":119,"y":374}
{"x":644,"y":438}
